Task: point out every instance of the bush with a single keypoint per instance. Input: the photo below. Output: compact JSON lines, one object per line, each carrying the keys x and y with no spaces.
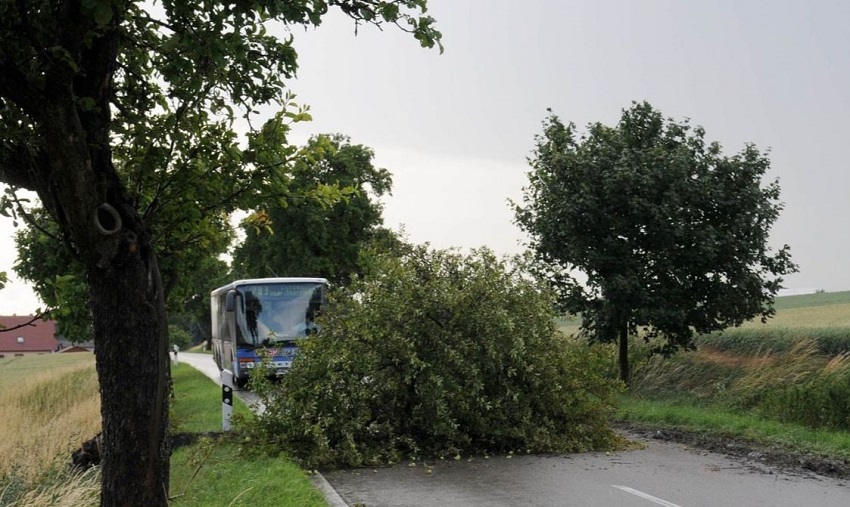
{"x":437,"y":354}
{"x":179,"y":336}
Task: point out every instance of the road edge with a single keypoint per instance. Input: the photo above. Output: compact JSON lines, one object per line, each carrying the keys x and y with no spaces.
{"x":331,"y":495}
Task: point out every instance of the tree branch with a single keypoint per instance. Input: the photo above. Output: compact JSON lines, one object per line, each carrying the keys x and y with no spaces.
{"x":31,"y":322}
{"x":17,"y":166}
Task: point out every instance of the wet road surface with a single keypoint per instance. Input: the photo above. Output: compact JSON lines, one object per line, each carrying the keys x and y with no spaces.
{"x":662,"y":473}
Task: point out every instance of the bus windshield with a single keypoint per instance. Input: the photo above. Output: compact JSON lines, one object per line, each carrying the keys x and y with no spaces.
{"x":275,"y":312}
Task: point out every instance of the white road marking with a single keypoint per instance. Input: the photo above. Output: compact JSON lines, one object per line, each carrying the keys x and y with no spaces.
{"x":646,"y":496}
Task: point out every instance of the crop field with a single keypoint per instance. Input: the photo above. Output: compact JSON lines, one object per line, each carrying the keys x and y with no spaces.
{"x":827,"y":309}
{"x":51,"y":405}
{"x":810,"y":300}
{"x":820,"y":319}
{"x":823,"y":319}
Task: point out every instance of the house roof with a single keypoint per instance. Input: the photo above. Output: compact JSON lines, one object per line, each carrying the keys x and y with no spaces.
{"x":39,"y":336}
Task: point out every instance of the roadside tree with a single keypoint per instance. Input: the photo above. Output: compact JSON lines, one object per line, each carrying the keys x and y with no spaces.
{"x":119,"y":116}
{"x":308,"y":237}
{"x":671,"y":235}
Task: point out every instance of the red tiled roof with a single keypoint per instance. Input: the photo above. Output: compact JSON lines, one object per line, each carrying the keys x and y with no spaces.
{"x":40,"y":336}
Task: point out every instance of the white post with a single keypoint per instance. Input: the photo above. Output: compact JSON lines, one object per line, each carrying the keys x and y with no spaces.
{"x":226,"y":399}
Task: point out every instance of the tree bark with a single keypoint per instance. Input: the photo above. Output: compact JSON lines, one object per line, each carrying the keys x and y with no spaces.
{"x":132,"y":361}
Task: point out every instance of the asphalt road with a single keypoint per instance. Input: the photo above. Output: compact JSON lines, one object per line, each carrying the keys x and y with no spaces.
{"x":662,"y":473}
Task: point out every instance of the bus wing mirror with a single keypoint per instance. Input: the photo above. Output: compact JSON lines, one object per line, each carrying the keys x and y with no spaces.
{"x":230,"y":301}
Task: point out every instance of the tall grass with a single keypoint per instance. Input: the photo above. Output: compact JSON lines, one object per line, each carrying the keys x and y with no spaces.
{"x":794,"y":383}
{"x":51,"y":405}
{"x":820,"y":400}
{"x":61,"y":487}
{"x":829,"y":341}
{"x":47,"y":413}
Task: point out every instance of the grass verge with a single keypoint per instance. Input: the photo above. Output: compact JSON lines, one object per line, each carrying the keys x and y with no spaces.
{"x":712,"y":420}
{"x":212,"y":471}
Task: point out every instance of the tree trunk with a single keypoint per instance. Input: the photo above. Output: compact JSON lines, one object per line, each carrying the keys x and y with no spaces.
{"x":623,"y":341}
{"x":132,"y":360}
{"x":127,"y":308}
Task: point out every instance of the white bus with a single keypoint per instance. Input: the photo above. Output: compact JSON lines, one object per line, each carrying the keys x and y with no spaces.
{"x":263,"y":317}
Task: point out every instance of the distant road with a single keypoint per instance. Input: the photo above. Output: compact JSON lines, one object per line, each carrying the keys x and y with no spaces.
{"x":664,"y":473}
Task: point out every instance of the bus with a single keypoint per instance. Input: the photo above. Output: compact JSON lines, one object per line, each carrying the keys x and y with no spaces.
{"x":263,"y":317}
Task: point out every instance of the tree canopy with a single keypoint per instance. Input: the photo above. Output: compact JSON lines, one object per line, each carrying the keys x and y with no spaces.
{"x":122,"y":115}
{"x":308,"y":237}
{"x":671,"y":235}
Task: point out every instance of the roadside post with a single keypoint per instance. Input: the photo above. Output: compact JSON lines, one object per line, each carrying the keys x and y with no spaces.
{"x":226,"y":399}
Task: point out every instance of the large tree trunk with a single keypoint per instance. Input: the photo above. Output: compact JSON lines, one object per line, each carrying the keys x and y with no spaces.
{"x":130,"y":335}
{"x":132,"y":361}
{"x":86,"y":195}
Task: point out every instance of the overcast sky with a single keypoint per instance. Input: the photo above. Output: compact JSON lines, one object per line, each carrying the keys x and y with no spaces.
{"x":455,"y":129}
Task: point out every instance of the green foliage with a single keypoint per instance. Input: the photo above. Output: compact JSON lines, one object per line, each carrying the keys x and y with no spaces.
{"x":312,"y":237}
{"x":671,"y":234}
{"x":57,"y":277}
{"x":437,"y":353}
{"x":179,"y":336}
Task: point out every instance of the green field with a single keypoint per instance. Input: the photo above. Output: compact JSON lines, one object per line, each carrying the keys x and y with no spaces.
{"x":810,"y":300}
{"x":825,"y":309}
